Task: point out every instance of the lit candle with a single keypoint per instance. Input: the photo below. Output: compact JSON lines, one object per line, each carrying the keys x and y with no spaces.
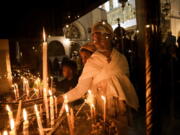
{"x":10,"y":114}
{"x":65,"y":99}
{"x":41,"y":132}
{"x":25,"y":123}
{"x":45,"y":66}
{"x":90,"y":98}
{"x":12,"y":126}
{"x":51,"y":82}
{"x":17,"y":90}
{"x":69,"y":120}
{"x":18,"y":115}
{"x":46,"y":103}
{"x":37,"y":83}
{"x":104,"y":107}
{"x":15,"y":95}
{"x":55,"y":104}
{"x":51,"y":108}
{"x":5,"y":132}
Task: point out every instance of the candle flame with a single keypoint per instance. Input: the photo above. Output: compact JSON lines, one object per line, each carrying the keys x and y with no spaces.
{"x":5,"y":132}
{"x":8,"y":108}
{"x":103,"y":98}
{"x":12,"y":124}
{"x":89,"y":92}
{"x":37,"y":81}
{"x":67,"y":108}
{"x":92,"y":105}
{"x":44,"y":35}
{"x":24,"y":114}
{"x":65,"y":99}
{"x":50,"y":93}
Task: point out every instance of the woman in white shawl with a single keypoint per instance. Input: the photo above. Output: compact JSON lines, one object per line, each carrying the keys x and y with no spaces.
{"x":106,"y":74}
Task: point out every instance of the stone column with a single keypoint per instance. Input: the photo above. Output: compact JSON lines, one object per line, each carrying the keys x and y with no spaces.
{"x":5,"y":67}
{"x":148,"y":21}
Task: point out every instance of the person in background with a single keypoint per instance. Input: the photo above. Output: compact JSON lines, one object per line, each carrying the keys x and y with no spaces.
{"x":69,"y":72}
{"x":86,"y":51}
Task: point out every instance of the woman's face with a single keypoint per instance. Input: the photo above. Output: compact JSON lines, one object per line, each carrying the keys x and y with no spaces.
{"x":84,"y":56}
{"x":102,"y":41}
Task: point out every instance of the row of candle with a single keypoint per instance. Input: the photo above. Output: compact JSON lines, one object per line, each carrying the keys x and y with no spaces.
{"x":13,"y":125}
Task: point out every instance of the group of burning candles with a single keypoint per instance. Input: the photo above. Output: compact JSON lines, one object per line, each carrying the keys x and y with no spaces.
{"x":52,"y":107}
{"x":50,"y":102}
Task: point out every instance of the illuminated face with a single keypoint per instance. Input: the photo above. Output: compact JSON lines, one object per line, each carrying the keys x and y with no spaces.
{"x":102,"y":41}
{"x":84,"y":56}
{"x":67,"y":72}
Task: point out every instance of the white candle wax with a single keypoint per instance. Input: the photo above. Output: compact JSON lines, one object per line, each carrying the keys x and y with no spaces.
{"x":104,"y":107}
{"x":51,"y":108}
{"x":55,"y":104}
{"x":41,"y":132}
{"x":25,"y":123}
{"x":45,"y":65}
{"x":12,"y":126}
{"x":10,"y":114}
{"x":46,"y":103}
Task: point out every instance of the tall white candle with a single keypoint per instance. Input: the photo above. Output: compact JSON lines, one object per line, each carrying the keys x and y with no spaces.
{"x":69,"y":120}
{"x":51,"y":108}
{"x":104,"y":107}
{"x":45,"y":65}
{"x":15,"y":94}
{"x":41,"y":132}
{"x":25,"y":123}
{"x":55,"y":104}
{"x":17,"y":90}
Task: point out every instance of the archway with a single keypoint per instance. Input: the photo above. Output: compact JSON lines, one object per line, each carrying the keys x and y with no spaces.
{"x":55,"y":52}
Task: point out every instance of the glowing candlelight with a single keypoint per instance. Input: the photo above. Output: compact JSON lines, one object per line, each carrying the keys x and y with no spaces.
{"x":41,"y":132}
{"x":46,"y":103}
{"x":51,"y":107}
{"x":67,"y":109}
{"x":37,"y":83}
{"x":10,"y":114}
{"x":65,"y":99}
{"x":5,"y":132}
{"x":25,"y":123}
{"x":12,"y":127}
{"x":90,"y":98}
{"x":104,"y":107}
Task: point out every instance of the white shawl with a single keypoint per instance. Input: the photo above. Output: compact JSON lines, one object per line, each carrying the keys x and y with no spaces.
{"x":108,"y":79}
